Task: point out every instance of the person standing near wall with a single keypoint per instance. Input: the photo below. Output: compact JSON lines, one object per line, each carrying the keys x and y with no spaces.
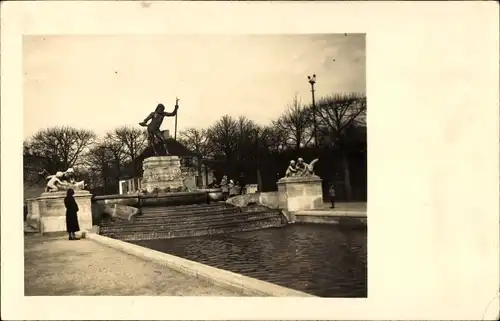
{"x":331,"y":191}
{"x":243,"y":189}
{"x":224,"y":184}
{"x":72,"y":209}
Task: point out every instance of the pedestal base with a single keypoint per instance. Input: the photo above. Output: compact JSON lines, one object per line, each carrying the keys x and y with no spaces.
{"x":53,"y":212}
{"x":33,"y":218}
{"x":162,"y":173}
{"x":300,"y":193}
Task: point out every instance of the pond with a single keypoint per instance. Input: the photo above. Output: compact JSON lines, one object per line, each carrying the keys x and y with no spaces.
{"x":323,"y":260}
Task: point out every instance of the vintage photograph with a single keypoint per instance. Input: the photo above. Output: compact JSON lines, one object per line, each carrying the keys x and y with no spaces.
{"x":195,"y":165}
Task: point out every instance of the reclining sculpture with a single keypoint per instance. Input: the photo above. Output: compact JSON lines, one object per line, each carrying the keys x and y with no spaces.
{"x":62,"y":181}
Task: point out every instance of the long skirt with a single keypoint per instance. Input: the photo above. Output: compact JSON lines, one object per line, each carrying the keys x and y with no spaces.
{"x":72,"y":222}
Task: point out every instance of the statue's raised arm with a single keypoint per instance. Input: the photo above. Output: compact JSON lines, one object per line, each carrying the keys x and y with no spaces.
{"x":173,"y":113}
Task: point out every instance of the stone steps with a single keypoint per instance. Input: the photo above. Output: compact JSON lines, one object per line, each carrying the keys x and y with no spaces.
{"x":158,"y":211}
{"x":191,"y":220}
{"x":186,"y":214}
{"x":189,"y":216}
{"x":199,"y":223}
{"x":199,"y":231}
{"x":195,"y":217}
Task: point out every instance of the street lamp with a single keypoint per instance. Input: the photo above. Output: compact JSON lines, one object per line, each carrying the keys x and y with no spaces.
{"x":312,"y":81}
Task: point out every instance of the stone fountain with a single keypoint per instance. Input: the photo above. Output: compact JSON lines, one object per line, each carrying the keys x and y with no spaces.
{"x":47,"y":212}
{"x":300,"y":189}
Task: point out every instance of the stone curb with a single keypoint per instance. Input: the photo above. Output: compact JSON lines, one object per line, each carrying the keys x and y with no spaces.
{"x":342,"y":213}
{"x":226,"y":279}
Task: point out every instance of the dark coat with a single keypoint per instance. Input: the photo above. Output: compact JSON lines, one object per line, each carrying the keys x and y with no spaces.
{"x":71,"y":215}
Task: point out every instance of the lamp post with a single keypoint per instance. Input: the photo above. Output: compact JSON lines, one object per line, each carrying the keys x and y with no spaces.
{"x":312,"y":81}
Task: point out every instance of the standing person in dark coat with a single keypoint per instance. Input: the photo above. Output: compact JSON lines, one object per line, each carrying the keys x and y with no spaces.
{"x":331,"y":191}
{"x":243,"y":184}
{"x":72,"y":225}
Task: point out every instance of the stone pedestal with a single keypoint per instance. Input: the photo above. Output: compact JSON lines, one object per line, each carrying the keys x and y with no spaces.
{"x":53,"y":212}
{"x":300,"y":193}
{"x":33,"y":218}
{"x":161,"y":172}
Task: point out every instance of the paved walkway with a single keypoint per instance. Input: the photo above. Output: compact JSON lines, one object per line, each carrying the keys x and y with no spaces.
{"x":57,"y":266}
{"x":341,"y":209}
{"x":346,"y":206}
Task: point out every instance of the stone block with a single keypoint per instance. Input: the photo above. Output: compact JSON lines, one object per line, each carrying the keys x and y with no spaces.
{"x":161,"y":172}
{"x":53,"y":212}
{"x":33,"y":218}
{"x":269,"y":199}
{"x":251,"y":188}
{"x":300,"y":193}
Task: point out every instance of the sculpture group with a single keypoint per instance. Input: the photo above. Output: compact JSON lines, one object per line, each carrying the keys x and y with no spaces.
{"x":300,"y":168}
{"x":62,"y":181}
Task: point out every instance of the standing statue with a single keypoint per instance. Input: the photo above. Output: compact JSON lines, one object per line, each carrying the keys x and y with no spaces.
{"x":300,"y":168}
{"x":153,"y":127}
{"x":63,"y":181}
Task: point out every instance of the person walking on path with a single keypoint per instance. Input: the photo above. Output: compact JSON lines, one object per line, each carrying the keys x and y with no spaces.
{"x":72,"y":225}
{"x":332,"y":195}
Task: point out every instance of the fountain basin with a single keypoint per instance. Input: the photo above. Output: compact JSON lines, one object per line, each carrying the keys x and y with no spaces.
{"x":159,"y":199}
{"x":214,"y":194}
{"x":118,"y":199}
{"x":173,"y":199}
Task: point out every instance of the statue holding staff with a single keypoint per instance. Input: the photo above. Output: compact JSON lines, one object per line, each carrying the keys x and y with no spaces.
{"x":153,"y":128}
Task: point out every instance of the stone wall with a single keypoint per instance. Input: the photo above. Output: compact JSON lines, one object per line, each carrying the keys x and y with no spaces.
{"x":33,"y":218}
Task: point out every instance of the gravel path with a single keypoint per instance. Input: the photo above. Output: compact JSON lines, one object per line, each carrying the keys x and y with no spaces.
{"x":57,"y":266}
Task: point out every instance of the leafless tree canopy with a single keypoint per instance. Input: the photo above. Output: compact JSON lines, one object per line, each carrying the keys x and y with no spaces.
{"x":99,"y":161}
{"x":133,"y":141}
{"x":221,"y":136}
{"x":196,"y":140}
{"x":339,"y":112}
{"x":295,"y":123}
{"x":62,"y":145}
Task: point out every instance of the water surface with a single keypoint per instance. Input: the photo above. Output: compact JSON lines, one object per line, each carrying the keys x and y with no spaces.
{"x":323,"y":260}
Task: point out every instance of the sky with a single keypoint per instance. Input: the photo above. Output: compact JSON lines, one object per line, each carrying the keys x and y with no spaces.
{"x":103,"y":82}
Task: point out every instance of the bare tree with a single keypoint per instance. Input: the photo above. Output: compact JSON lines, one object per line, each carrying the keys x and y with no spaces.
{"x":222,"y":137}
{"x":296,"y":123}
{"x":273,"y":138}
{"x":61,"y":145}
{"x":134,"y":142}
{"x":99,"y":161}
{"x":247,"y":135}
{"x":257,"y":148}
{"x":197,"y":141}
{"x":117,"y":151}
{"x":337,"y":114}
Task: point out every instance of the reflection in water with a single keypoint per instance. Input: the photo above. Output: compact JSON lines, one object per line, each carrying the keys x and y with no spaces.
{"x":323,"y":260}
